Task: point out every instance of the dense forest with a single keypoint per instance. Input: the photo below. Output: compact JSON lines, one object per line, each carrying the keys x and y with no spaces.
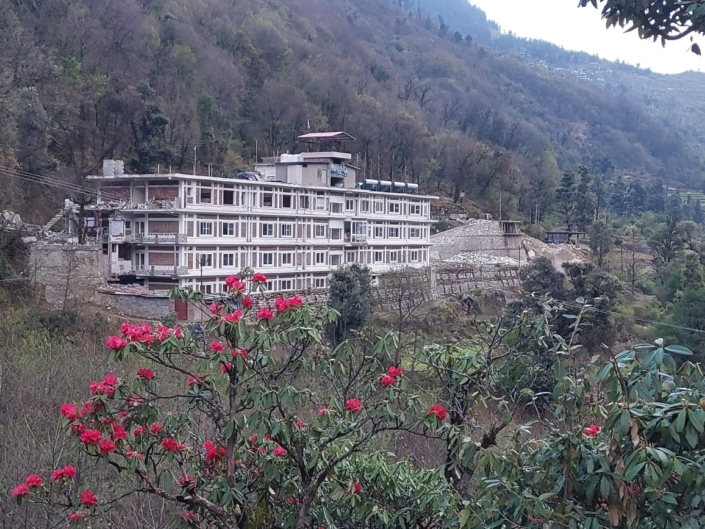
{"x":154,"y":81}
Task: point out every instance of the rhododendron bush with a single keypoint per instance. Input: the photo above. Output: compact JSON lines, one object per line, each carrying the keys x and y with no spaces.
{"x":239,"y":445}
{"x":252,"y":421}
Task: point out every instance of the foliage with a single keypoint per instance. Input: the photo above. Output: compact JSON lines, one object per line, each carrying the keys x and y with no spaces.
{"x":351,"y":296}
{"x":601,"y":240}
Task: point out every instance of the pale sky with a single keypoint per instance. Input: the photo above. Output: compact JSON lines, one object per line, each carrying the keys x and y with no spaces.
{"x":582,"y":29}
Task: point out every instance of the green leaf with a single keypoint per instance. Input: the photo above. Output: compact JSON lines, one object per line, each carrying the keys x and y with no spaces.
{"x":680,"y":421}
{"x":696,"y":419}
{"x":679,"y":350}
{"x":463,"y":518}
{"x":691,"y":436}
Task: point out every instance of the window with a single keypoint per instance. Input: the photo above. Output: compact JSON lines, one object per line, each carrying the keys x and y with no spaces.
{"x":336,"y":259}
{"x":206,"y":195}
{"x":414,"y":256}
{"x":379,"y":206}
{"x":336,"y":233}
{"x":286,"y":230}
{"x":393,"y":257}
{"x":320,"y":230}
{"x":228,"y":228}
{"x":378,"y":257}
{"x":323,"y":176}
{"x":286,"y":201}
{"x":364,"y":206}
{"x":336,"y":207}
{"x":267,"y":200}
{"x":228,"y":259}
{"x":228,"y":198}
{"x":414,"y":233}
{"x":379,"y":232}
{"x":393,"y":233}
{"x":205,"y":260}
{"x":320,"y":202}
{"x":268,"y":259}
{"x":350,"y":257}
{"x":304,"y":202}
{"x":206,"y":228}
{"x":287,"y":284}
{"x":267,"y":230}
{"x":206,"y":289}
{"x":394,"y":207}
{"x":349,"y":205}
{"x":269,"y":285}
{"x":286,"y":259}
{"x":415,"y":209}
{"x":320,"y":258}
{"x":319,"y":282}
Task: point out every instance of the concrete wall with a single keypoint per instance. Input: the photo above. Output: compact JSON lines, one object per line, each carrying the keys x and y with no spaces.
{"x":69,"y":274}
{"x":482,"y":236}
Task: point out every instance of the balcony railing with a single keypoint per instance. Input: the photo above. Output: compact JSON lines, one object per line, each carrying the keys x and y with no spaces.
{"x":151,"y":271}
{"x":157,"y":238}
{"x":356,"y":238}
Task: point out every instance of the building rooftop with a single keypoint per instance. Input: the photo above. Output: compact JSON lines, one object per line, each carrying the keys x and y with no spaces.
{"x":325,"y":136}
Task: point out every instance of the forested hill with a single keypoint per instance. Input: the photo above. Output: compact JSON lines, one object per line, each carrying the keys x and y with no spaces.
{"x":146,"y":81}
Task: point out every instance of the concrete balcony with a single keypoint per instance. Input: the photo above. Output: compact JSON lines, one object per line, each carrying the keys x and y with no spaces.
{"x":157,"y":238}
{"x":159,"y":271}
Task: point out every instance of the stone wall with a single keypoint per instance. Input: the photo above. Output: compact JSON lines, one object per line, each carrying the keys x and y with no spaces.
{"x":68,"y":274}
{"x":136,"y":306}
{"x":477,"y":236}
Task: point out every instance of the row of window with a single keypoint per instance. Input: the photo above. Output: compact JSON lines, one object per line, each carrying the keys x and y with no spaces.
{"x":272,"y":285}
{"x":207,"y":260}
{"x":268,"y":199}
{"x":268,"y":229}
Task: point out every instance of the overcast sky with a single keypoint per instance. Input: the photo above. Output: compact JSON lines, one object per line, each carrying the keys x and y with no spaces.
{"x":564,"y":24}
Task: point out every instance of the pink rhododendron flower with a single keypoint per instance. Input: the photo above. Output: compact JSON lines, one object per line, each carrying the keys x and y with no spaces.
{"x":354,"y":405}
{"x":217,"y":346}
{"x":247,"y":303}
{"x":279,"y":451}
{"x":20,"y":491}
{"x":395,"y":371}
{"x":258,"y":277}
{"x":91,"y":437}
{"x":75,"y":517}
{"x":33,"y":481}
{"x":388,"y":381}
{"x":265,"y":314}
{"x":234,"y":317}
{"x":115,"y":343}
{"x":439,"y":411}
{"x":145,"y":373}
{"x":69,"y":411}
{"x":88,"y":499}
{"x":592,"y":430}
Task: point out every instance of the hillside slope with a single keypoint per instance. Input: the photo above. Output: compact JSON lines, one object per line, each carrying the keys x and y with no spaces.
{"x":153,"y":81}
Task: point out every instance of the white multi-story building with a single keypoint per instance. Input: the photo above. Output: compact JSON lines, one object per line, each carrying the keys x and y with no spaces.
{"x":297,"y":219}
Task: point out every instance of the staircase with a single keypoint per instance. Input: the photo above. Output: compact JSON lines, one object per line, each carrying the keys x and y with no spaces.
{"x":49,"y":225}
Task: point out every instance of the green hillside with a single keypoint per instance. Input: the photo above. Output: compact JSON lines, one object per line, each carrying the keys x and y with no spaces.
{"x":148,"y":81}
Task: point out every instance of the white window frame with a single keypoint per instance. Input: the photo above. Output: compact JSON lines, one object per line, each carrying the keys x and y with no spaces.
{"x":379,"y":232}
{"x":267,"y":229}
{"x":349,"y":204}
{"x":319,"y":282}
{"x":320,"y":258}
{"x":336,"y":207}
{"x":228,"y":257}
{"x":379,"y":254}
{"x":339,"y":231}
{"x":393,"y":232}
{"x":208,"y":258}
{"x":379,"y":206}
{"x":286,"y":284}
{"x":394,"y":256}
{"x":414,"y":233}
{"x":228,"y":229}
{"x":414,"y":256}
{"x":268,"y":256}
{"x":364,"y":206}
{"x":414,"y":209}
{"x":319,"y":231}
{"x":205,"y":227}
{"x":350,"y":257}
{"x":287,"y":258}
{"x":289,"y":228}
{"x":269,"y":285}
{"x":336,"y":257}
{"x":394,"y":208}
{"x":266,"y":194}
